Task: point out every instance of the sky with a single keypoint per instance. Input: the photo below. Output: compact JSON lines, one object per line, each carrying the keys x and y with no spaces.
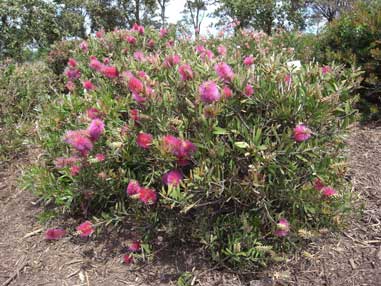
{"x":174,"y":9}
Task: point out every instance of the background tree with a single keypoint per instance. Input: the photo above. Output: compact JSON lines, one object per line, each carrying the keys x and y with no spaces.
{"x":162,"y":6}
{"x":34,"y":24}
{"x":330,"y":9}
{"x":194,"y":13}
{"x":262,"y":14}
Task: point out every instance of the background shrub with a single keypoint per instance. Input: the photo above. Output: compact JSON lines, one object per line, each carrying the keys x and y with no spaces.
{"x":24,"y":89}
{"x":354,"y":39}
{"x":247,"y":187}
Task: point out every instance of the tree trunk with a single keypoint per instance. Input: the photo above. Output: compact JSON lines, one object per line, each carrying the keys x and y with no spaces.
{"x":137,"y":11}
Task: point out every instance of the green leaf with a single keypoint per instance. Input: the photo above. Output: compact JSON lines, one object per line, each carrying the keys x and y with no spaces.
{"x":220,"y":131}
{"x":241,"y":144}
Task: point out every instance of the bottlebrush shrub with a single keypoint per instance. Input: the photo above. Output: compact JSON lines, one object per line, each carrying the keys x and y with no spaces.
{"x":177,"y":139}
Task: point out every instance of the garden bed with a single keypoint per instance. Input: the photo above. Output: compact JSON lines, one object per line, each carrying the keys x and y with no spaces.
{"x":351,"y":257}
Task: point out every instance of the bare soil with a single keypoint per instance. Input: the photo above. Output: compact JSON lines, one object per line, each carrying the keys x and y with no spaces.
{"x":349,"y":257}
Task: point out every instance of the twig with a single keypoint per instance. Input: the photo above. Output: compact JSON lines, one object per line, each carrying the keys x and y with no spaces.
{"x":33,"y":233}
{"x":15,"y":274}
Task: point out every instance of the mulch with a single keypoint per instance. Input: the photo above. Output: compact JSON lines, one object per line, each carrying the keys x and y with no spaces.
{"x":349,"y":257}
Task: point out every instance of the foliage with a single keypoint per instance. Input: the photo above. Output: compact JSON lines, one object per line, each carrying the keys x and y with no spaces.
{"x":24,"y":89}
{"x":33,"y":24}
{"x":354,"y":39}
{"x":262,"y":15}
{"x":59,"y":55}
{"x":244,"y":180}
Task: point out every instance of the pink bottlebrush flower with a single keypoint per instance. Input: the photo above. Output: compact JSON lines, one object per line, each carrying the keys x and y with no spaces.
{"x":72,"y":62}
{"x":151,"y":43}
{"x":186,"y":148}
{"x":131,"y":40}
{"x":144,"y":140}
{"x":172,"y":178}
{"x":318,"y":184}
{"x":128,"y":259}
{"x":73,"y":73}
{"x":222,"y":50}
{"x":171,"y":61}
{"x":110,"y":71}
{"x":326,"y":69}
{"x":106,"y":61}
{"x":74,"y":170}
{"x":139,"y":56}
{"x":200,"y":49}
{"x":171,"y":144}
{"x":134,"y":246}
{"x":163,"y":32}
{"x":93,"y":113}
{"x":209,"y":92}
{"x":142,"y":75}
{"x":140,"y":29}
{"x":79,"y":141}
{"x":100,"y":157}
{"x":301,"y":133}
{"x":138,"y":98}
{"x":135,"y":85}
{"x":249,"y":90}
{"x":224,"y":71}
{"x":134,"y":114}
{"x":100,"y":34}
{"x":184,"y":152}
{"x":147,"y":196}
{"x":170,"y":43}
{"x":288,"y":79}
{"x":328,"y":191}
{"x":185,"y":72}
{"x":96,"y":128}
{"x":88,"y":85}
{"x":227,"y":92}
{"x":248,"y":61}
{"x":85,"y":229}
{"x":282,"y":228}
{"x":207,"y":55}
{"x":133,"y":188}
{"x":84,"y":46}
{"x":54,"y":234}
{"x":96,"y":65}
{"x":70,"y":86}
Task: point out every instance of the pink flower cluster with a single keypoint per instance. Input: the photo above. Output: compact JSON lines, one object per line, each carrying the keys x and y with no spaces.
{"x":209,"y":92}
{"x":282,"y":228}
{"x":146,"y":195}
{"x":82,"y":141}
{"x":85,"y":229}
{"x":224,"y":71}
{"x":54,"y":234}
{"x":171,"y":61}
{"x":138,"y":28}
{"x":185,"y":72}
{"x":326,"y":191}
{"x":181,"y":149}
{"x":140,"y":91}
{"x":302,"y":133}
{"x":204,"y":53}
{"x":108,"y":71}
{"x":144,"y":140}
{"x":172,"y":178}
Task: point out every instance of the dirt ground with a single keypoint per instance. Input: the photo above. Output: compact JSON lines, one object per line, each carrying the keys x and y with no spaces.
{"x":351,"y":257}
